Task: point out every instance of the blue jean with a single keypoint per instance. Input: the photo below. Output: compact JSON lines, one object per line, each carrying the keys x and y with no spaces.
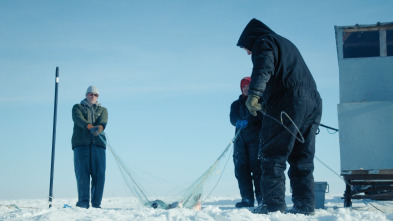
{"x":89,"y":161}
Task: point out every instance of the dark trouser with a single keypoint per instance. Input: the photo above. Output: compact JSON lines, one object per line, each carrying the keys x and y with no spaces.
{"x":89,"y":161}
{"x":247,"y":166}
{"x":278,"y":146}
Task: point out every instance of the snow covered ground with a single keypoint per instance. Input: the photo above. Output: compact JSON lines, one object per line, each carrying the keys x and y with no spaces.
{"x":214,"y":208}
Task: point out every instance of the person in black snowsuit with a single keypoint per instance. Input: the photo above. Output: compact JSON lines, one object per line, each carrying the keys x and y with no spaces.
{"x":245,"y":156}
{"x":281,"y":78}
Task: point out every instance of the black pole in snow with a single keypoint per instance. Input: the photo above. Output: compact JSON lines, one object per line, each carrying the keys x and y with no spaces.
{"x":53,"y":140}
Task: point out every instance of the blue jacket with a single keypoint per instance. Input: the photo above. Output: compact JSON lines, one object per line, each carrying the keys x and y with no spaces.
{"x":239,"y":111}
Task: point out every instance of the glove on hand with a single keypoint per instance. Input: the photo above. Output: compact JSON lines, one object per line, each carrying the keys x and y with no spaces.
{"x":89,"y":126}
{"x":241,"y":124}
{"x":252,"y":104}
{"x":96,"y":130}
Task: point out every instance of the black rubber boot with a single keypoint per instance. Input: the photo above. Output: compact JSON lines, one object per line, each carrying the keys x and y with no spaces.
{"x":245,"y":203}
{"x":304,"y":211}
{"x":265,"y":209}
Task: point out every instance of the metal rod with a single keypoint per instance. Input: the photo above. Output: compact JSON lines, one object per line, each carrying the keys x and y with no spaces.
{"x":331,"y":128}
{"x":53,"y":140}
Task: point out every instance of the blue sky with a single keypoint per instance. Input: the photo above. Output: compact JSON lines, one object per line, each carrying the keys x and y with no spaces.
{"x":167,"y":71}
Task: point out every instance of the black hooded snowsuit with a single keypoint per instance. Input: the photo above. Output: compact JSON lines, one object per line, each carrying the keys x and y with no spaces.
{"x":245,"y":154}
{"x":282,"y":79}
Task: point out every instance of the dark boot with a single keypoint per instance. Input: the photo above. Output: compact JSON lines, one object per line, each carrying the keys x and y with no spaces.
{"x":96,"y":206}
{"x":304,"y":211}
{"x":305,"y":207}
{"x":265,"y":209}
{"x":245,"y":203}
{"x":83,"y":205}
{"x":261,"y":209}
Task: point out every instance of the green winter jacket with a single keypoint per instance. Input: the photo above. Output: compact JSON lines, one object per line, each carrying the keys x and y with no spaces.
{"x":82,"y":115}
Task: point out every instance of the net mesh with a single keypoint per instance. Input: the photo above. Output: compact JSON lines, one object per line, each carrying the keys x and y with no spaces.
{"x":190,"y":197}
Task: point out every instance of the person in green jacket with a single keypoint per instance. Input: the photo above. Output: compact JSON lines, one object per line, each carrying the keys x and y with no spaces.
{"x":90,"y":119}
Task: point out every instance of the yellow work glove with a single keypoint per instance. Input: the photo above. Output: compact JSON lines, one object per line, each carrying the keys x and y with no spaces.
{"x":253,"y":105}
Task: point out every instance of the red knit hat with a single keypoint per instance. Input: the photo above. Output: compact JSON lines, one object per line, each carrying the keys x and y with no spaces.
{"x":244,"y":81}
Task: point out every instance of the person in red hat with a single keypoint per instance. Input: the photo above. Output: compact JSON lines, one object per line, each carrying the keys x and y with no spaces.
{"x":245,"y":155}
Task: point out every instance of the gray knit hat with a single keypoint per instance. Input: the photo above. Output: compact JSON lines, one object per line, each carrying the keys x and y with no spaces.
{"x":92,"y":89}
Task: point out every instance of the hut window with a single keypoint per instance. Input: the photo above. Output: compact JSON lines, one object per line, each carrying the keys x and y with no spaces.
{"x":361,"y":44}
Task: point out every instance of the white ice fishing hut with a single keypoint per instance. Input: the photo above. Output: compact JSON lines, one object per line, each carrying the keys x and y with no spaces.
{"x":365,"y":111}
